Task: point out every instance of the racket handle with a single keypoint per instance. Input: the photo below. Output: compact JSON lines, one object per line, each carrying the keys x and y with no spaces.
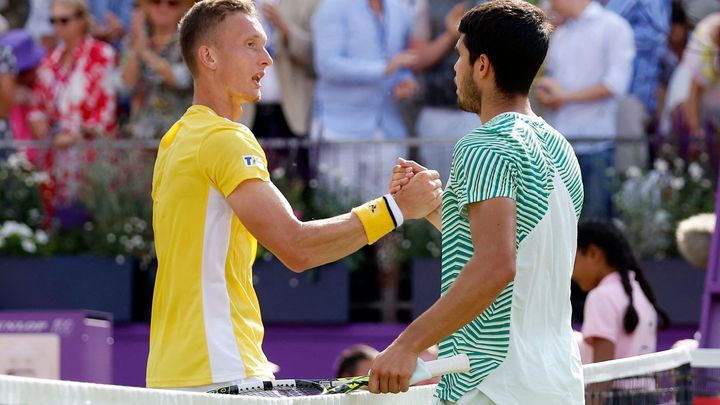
{"x":454,"y":364}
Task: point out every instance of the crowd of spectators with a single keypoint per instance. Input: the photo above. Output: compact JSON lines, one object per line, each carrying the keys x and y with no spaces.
{"x":367,"y":71}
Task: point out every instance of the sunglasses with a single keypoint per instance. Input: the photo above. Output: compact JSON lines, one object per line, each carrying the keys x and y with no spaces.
{"x":63,"y":20}
{"x":169,"y":3}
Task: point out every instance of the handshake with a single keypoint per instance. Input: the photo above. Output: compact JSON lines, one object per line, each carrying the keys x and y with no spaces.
{"x":417,"y":190}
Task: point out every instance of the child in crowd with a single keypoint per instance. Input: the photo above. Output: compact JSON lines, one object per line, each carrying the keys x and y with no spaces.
{"x":621,"y":315}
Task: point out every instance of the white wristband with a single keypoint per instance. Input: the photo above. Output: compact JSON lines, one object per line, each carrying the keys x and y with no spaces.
{"x":394,"y":210}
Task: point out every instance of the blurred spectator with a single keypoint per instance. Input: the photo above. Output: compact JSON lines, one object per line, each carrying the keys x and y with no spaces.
{"x":355,"y":361}
{"x":650,"y":21}
{"x":16,"y":86}
{"x":589,"y":65}
{"x":38,"y":23}
{"x":111,"y":19}
{"x":434,"y":36}
{"x":7,"y":94}
{"x":15,"y":12}
{"x":153,"y":70}
{"x":672,"y":54}
{"x":621,"y":315}
{"x":288,"y":85}
{"x":73,"y":97}
{"x":699,"y":9}
{"x":692,"y":107}
{"x":361,"y":63}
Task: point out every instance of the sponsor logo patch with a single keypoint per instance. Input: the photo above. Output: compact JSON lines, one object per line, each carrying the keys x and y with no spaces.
{"x":253,"y":161}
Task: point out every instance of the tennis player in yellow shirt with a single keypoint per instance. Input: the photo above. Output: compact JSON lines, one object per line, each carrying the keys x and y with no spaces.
{"x":213,"y":200}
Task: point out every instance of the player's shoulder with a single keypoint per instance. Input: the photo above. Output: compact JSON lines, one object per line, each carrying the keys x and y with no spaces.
{"x":498,"y":136}
{"x":229,"y":136}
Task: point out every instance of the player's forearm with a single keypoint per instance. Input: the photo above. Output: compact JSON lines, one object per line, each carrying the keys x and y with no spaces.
{"x":324,"y":241}
{"x":475,"y":289}
{"x":435,"y":218}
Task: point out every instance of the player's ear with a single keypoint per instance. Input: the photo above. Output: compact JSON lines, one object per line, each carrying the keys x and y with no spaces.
{"x":206,"y":57}
{"x":481,"y":67}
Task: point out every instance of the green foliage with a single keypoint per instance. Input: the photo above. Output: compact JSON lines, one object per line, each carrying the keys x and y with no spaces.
{"x":20,"y":198}
{"x":21,"y":208}
{"x":116,"y":194}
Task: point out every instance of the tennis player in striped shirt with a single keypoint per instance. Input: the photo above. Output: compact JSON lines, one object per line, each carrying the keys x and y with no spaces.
{"x":509,"y":223}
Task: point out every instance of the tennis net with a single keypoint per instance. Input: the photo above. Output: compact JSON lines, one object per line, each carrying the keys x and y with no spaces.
{"x":676,"y":376}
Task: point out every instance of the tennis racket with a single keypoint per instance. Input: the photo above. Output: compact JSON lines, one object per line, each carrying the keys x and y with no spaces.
{"x":295,"y":388}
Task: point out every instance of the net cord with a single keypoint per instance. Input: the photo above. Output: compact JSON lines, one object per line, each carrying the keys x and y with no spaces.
{"x":636,"y":366}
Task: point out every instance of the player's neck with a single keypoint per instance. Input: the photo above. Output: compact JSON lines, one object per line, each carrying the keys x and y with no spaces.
{"x":218,"y":102}
{"x":495,"y":104}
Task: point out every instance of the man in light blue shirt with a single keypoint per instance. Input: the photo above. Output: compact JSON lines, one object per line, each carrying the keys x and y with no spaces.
{"x":361,"y":65}
{"x":589,"y":67}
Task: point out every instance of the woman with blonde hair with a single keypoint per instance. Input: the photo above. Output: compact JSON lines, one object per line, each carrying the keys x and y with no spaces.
{"x":73,"y":97}
{"x":153,"y":71}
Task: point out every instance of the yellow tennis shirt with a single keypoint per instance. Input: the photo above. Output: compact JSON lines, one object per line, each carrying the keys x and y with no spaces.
{"x":205,"y":325}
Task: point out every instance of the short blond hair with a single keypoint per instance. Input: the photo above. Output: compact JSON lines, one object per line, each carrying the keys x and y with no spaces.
{"x":202,"y":19}
{"x":81,"y":8}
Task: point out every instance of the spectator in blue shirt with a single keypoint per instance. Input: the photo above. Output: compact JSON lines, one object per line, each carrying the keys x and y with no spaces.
{"x":650,"y":22}
{"x":361,"y":65}
{"x":111,"y":19}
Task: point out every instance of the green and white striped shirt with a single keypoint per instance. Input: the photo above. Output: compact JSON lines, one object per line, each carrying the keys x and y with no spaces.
{"x":521,"y":347}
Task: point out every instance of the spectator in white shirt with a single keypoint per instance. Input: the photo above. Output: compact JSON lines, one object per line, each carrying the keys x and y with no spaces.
{"x":589,"y":67}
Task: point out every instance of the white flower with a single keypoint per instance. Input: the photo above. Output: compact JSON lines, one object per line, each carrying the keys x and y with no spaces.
{"x":111,"y":238}
{"x":633,"y":172}
{"x":39,"y":178}
{"x":16,"y":228}
{"x":679,"y":163}
{"x":28,"y":246}
{"x":661,"y":166}
{"x":696,"y":171}
{"x":41,"y":237}
{"x":677,"y":183}
{"x":661,"y":217}
{"x":17,"y":161}
{"x":278,"y":173}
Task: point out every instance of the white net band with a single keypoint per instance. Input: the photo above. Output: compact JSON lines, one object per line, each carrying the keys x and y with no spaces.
{"x":32,"y":391}
{"x":637,"y":365}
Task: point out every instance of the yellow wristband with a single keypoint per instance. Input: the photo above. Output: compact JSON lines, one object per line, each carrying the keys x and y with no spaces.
{"x":376,"y":219}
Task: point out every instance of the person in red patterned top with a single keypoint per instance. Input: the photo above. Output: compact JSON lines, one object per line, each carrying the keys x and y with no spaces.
{"x":74,"y":96}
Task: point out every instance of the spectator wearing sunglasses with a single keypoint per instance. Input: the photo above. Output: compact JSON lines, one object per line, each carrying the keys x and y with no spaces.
{"x":73,"y":96}
{"x":152,"y":69}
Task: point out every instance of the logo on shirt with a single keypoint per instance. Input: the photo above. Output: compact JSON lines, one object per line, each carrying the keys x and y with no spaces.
{"x":253,"y":161}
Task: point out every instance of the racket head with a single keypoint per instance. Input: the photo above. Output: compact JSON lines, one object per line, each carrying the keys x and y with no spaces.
{"x":275,"y":389}
{"x":348,"y":385}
